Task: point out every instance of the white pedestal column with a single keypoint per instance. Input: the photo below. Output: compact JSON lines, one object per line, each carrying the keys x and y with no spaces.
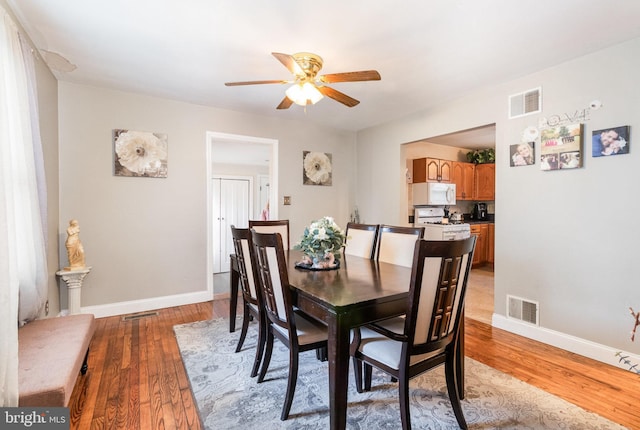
{"x":73,"y":279}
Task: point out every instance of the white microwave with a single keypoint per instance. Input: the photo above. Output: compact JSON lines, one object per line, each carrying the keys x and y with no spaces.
{"x":434,"y":193}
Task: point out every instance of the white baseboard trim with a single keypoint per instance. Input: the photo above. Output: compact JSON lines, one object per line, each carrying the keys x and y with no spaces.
{"x":595,"y":351}
{"x":135,"y":306}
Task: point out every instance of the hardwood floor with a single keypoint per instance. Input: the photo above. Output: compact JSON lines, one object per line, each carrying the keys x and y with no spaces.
{"x":136,"y":379}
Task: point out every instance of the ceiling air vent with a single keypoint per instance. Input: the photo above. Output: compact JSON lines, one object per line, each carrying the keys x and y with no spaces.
{"x":525,"y":103}
{"x":522,"y":309}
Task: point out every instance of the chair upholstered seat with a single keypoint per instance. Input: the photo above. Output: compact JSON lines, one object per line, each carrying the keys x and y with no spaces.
{"x":308,"y":331}
{"x":386,"y":350}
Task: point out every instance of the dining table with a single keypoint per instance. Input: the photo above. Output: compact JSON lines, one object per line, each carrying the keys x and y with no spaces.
{"x":358,"y":292}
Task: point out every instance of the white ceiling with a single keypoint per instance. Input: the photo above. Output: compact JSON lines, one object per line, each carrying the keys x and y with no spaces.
{"x":427,"y":51}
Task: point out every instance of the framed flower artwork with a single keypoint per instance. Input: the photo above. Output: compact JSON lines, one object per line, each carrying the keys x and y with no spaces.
{"x":139,"y":153}
{"x":316,"y":168}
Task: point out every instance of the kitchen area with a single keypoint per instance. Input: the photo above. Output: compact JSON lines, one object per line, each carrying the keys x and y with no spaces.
{"x":451,"y":192}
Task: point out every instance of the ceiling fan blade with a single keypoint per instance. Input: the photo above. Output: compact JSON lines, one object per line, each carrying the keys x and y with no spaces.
{"x":289,"y":62}
{"x":233,"y":84}
{"x":338,"y":96}
{"x":364,"y":75}
{"x":285,"y":103}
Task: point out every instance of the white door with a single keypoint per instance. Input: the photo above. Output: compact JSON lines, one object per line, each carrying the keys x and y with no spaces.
{"x":231,"y":206}
{"x":263,"y":196}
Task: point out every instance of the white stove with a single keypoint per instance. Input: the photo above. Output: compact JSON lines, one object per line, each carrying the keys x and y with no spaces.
{"x":436,"y":227}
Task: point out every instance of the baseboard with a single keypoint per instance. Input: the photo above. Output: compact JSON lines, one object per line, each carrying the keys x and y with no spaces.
{"x":134,"y":306}
{"x":586,"y":348}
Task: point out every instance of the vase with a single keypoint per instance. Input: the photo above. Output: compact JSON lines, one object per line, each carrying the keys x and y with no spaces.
{"x":321,"y":260}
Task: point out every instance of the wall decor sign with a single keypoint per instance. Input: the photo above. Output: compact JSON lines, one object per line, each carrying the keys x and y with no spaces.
{"x":522,"y":154}
{"x":139,"y":153}
{"x":561,"y":147}
{"x":316,"y":168}
{"x":610,"y":141}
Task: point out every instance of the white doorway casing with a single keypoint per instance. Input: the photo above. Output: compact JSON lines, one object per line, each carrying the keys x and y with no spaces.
{"x":240,"y":140}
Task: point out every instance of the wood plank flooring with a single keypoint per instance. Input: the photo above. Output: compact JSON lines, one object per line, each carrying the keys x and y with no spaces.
{"x":136,"y":379}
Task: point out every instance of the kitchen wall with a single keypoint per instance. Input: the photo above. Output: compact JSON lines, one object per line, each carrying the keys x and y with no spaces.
{"x":563,"y":238}
{"x":146,"y":238}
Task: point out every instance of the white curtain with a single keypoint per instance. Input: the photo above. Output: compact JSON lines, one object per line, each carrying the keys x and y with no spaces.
{"x":23,"y":271}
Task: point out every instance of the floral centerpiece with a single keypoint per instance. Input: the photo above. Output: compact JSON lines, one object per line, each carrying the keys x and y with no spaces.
{"x":321,"y":244}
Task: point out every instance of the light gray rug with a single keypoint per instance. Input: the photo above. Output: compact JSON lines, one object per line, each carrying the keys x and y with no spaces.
{"x":227,"y":398}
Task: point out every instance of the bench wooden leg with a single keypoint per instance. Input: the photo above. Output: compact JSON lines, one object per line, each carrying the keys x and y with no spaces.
{"x":85,"y":366}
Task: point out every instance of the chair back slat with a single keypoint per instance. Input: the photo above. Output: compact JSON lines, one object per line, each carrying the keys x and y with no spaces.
{"x":361,"y":239}
{"x":273,"y":226}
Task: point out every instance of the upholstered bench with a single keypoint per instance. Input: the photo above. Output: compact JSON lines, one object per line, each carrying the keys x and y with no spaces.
{"x":51,"y":353}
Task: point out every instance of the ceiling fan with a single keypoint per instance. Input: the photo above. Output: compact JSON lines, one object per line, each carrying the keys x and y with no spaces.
{"x":308,"y":87}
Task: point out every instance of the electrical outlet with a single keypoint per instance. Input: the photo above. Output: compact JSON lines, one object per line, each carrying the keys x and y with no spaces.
{"x":286,"y":200}
{"x":46,"y":308}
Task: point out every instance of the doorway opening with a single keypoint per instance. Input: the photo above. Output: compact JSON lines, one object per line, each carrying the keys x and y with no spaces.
{"x":453,"y":147}
{"x":242,"y":177}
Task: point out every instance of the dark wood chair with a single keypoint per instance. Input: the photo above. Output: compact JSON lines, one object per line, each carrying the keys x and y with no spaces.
{"x":292,"y":327}
{"x":426,"y":336}
{"x":273,"y":226}
{"x":361,"y":239}
{"x":252,"y":301}
{"x":396,"y":244}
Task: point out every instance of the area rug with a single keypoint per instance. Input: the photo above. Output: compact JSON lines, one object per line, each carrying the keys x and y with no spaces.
{"x":227,"y":398}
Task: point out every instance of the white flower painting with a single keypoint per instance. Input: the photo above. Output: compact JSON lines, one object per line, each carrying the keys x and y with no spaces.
{"x":316,"y":168}
{"x":140,"y":153}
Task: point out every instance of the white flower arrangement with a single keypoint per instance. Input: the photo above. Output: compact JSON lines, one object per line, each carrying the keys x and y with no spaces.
{"x":322,"y":240}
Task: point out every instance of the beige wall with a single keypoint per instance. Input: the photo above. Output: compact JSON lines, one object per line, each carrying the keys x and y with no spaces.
{"x":146,"y":238}
{"x":561,"y":238}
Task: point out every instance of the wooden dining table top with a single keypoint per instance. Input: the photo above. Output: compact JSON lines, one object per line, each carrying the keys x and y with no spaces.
{"x":357,"y":281}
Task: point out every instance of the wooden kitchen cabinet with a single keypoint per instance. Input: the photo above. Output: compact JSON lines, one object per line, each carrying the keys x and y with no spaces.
{"x":480,"y":253}
{"x":490,"y":243}
{"x":463,"y":175}
{"x":431,"y":169}
{"x":485,"y":181}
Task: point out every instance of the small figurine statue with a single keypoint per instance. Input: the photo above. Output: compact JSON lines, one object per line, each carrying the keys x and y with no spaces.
{"x":75,"y":251}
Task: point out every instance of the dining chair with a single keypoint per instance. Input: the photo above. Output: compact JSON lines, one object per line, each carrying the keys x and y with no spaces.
{"x":361,"y":239}
{"x":426,"y":336}
{"x":273,"y":226}
{"x":396,"y":244}
{"x":252,"y":301}
{"x":290,"y":325}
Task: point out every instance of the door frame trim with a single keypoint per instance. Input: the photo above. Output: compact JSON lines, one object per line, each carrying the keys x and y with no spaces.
{"x":213,"y":136}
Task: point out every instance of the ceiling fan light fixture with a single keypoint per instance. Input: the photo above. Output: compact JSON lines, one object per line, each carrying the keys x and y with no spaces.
{"x":304,"y":93}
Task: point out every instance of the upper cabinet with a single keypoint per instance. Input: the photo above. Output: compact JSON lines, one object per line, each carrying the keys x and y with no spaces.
{"x":485,"y":179}
{"x":432,"y":169}
{"x":463,"y":175}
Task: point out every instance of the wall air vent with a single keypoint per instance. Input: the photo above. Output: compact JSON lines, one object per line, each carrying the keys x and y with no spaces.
{"x":525,"y":103}
{"x":522,"y":309}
